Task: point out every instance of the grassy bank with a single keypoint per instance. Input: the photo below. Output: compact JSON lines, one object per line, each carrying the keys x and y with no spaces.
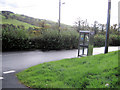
{"x":99,"y":71}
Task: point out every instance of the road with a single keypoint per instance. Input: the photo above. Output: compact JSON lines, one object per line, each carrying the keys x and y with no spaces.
{"x":14,"y":62}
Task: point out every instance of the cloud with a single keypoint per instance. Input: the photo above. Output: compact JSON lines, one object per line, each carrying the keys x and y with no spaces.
{"x":2,"y":2}
{"x":8,"y":3}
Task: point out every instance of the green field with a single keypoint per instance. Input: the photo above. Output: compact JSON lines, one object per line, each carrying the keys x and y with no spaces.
{"x":99,"y":71}
{"x":16,"y":22}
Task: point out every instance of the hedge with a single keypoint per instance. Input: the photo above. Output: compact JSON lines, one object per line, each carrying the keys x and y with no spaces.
{"x":99,"y":40}
{"x":14,"y":38}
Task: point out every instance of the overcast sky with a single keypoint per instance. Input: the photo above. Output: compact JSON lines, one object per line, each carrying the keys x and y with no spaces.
{"x":72,"y":9}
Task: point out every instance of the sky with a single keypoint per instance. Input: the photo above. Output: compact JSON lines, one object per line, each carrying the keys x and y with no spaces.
{"x":92,"y":10}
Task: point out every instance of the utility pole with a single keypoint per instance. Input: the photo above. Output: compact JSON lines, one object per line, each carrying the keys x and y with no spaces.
{"x":95,"y":29}
{"x":79,"y":26}
{"x":108,"y":27}
{"x":59,"y":14}
{"x":119,"y":16}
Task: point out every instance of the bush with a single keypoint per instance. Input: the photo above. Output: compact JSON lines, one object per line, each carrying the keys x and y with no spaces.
{"x":114,"y":40}
{"x":14,"y":38}
{"x":54,"y":40}
{"x":99,"y":40}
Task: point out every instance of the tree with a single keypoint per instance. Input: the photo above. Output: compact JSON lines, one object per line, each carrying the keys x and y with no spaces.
{"x":95,"y":27}
{"x":115,"y":27}
{"x":81,"y":24}
{"x":42,"y":24}
{"x":101,"y":27}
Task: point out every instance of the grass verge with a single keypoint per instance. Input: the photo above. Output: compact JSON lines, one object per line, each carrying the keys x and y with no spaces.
{"x":99,"y":71}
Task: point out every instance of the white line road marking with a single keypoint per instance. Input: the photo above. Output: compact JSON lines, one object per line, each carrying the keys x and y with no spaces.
{"x":12,"y":71}
{"x":1,"y":78}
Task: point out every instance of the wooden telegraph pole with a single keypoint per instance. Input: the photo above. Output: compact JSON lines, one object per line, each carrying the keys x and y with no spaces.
{"x":108,"y":27}
{"x":119,"y":16}
{"x":59,"y":13}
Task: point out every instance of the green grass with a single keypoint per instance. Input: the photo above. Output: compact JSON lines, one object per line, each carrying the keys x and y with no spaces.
{"x":16,"y":22}
{"x":86,"y":72}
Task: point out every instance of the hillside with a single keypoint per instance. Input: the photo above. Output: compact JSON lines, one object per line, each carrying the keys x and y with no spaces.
{"x":15,"y":22}
{"x":9,"y":17}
